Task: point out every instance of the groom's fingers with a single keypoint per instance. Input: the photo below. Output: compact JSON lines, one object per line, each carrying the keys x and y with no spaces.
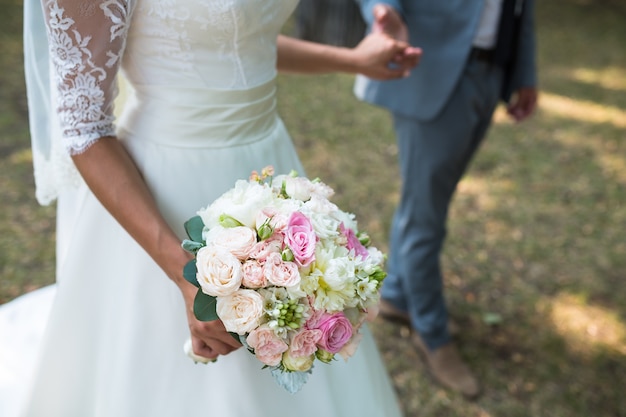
{"x":387,"y":20}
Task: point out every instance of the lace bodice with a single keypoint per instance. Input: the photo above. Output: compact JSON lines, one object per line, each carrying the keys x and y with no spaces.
{"x":210,"y":44}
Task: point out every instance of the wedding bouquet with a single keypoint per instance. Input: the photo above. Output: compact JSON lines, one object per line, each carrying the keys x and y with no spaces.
{"x":286,"y":271}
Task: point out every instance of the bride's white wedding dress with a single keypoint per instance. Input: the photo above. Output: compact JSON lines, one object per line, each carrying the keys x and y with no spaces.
{"x":200,"y":114}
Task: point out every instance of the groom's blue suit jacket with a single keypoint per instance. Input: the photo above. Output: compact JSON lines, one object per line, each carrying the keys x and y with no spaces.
{"x":444,"y":29}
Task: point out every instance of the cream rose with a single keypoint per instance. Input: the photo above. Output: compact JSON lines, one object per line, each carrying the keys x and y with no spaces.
{"x":241,"y":311}
{"x":237,"y":240}
{"x":298,"y":363}
{"x":219,"y":271}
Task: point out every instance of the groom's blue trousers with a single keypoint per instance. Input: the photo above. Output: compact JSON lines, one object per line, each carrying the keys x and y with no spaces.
{"x":433,"y":156}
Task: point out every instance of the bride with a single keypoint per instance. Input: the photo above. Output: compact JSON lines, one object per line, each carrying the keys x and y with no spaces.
{"x":199,"y":113}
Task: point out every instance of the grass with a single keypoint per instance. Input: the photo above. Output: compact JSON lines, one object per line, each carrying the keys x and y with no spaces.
{"x":536,"y":255}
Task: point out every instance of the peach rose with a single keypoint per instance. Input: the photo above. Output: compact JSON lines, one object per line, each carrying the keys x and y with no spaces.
{"x":252,"y":274}
{"x":268,"y":348}
{"x":281,"y":273}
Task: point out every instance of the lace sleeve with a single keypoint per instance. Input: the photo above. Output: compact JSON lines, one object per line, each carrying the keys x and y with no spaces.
{"x":86,"y":40}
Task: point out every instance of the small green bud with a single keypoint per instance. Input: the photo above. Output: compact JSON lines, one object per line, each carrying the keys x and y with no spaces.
{"x":229,"y":221}
{"x":324,"y":355}
{"x":287,"y":255}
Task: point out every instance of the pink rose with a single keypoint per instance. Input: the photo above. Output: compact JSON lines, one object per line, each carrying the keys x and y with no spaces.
{"x":300,"y":238}
{"x":252,"y":274}
{"x":304,"y":343}
{"x":314,"y":315}
{"x":279,"y":272}
{"x":336,"y":331}
{"x":264,"y":248}
{"x":268,"y":348}
{"x":353,"y":242}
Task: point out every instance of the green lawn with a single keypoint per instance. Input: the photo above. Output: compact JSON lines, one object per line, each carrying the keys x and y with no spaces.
{"x":536,"y":256}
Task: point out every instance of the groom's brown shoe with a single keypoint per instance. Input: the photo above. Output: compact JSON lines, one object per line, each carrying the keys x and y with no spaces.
{"x":447,"y":367}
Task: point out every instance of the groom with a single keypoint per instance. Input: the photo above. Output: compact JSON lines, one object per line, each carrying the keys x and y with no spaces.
{"x":475,"y":53}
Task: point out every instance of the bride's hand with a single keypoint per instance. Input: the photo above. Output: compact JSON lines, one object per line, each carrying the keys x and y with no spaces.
{"x":382,"y":57}
{"x":209,"y":339}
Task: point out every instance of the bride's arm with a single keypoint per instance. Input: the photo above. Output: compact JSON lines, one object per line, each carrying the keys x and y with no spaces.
{"x":377,"y":56}
{"x":114,"y":179}
{"x":86,"y":45}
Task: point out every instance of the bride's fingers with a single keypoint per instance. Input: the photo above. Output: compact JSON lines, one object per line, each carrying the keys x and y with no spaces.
{"x":202,"y":349}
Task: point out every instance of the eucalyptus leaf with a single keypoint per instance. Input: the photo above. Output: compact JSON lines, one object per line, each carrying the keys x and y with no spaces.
{"x":290,"y":381}
{"x":194,"y":228}
{"x":204,"y":307}
{"x":189,"y":272}
{"x":191,"y":246}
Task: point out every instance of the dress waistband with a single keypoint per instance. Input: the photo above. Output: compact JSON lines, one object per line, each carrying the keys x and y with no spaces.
{"x":187,"y":117}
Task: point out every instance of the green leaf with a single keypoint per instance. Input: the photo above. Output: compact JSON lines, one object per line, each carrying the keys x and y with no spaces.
{"x":235,"y":336}
{"x":204,"y":307}
{"x":191,"y":246}
{"x":189,"y":272}
{"x":194,"y":227}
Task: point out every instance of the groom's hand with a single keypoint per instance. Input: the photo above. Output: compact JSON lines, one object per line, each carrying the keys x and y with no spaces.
{"x":388,"y":20}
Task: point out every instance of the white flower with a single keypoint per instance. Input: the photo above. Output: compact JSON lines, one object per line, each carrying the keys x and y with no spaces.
{"x":325,"y":226}
{"x":367,"y":289}
{"x":298,"y":188}
{"x":219,"y":271}
{"x":237,"y":240}
{"x":339,"y":274}
{"x":348,"y":219}
{"x":243,"y":203}
{"x":67,"y":57}
{"x":241,"y":311}
{"x":83,"y":102}
{"x":321,"y":190}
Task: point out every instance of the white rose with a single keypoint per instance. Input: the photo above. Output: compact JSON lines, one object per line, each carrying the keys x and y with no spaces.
{"x":298,"y":188}
{"x":348,"y":219}
{"x":237,"y":240}
{"x":242,"y":202}
{"x":320,"y":205}
{"x":339,"y":273}
{"x":219,"y":271}
{"x":325,"y":227}
{"x":241,"y":311}
{"x":321,"y":190}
